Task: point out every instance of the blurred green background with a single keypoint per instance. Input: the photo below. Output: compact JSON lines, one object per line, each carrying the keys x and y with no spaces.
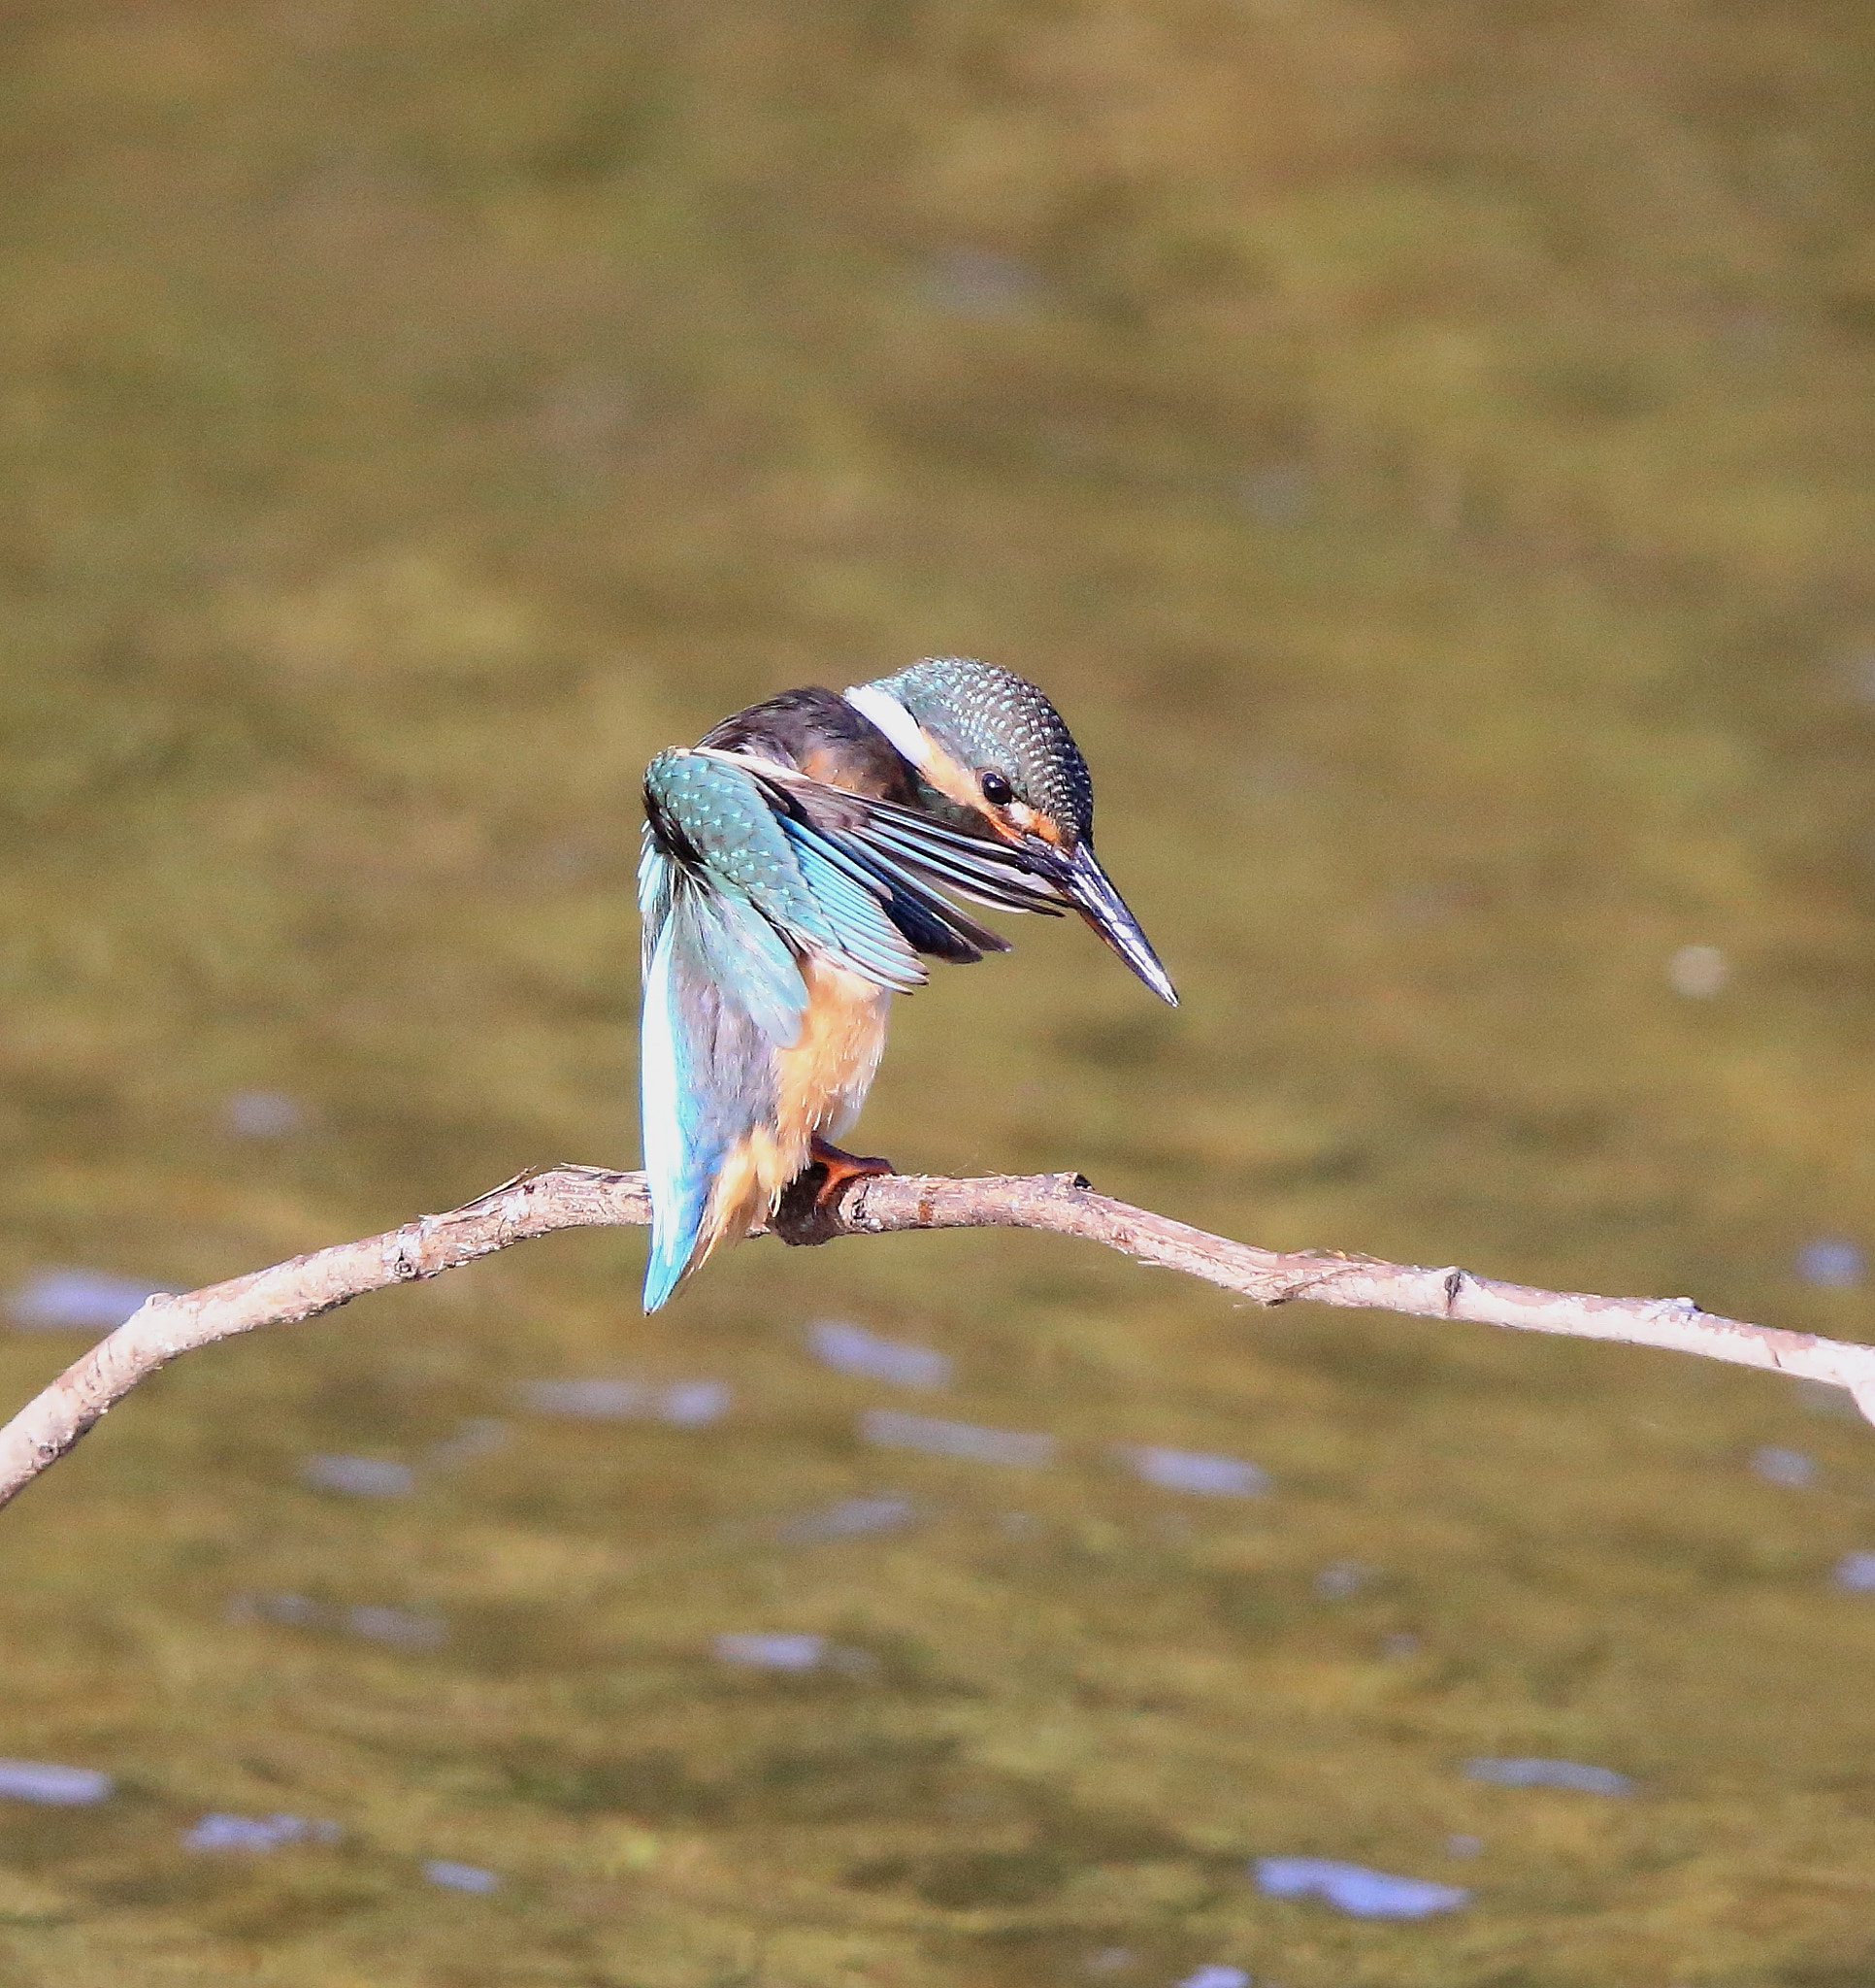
{"x":1428,"y":448}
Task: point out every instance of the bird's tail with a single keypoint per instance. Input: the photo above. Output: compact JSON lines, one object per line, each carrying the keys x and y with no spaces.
{"x":673,"y":1252}
{"x":679,"y":1165}
{"x":741,"y":1194}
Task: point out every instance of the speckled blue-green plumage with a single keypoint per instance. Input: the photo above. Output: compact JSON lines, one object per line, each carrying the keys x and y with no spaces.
{"x":989,"y":718}
{"x":727,"y":838}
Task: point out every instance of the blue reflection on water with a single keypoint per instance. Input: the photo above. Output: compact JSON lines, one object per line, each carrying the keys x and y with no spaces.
{"x":1354,"y":1889}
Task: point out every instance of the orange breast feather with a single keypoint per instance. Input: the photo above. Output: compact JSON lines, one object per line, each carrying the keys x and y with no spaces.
{"x":821,"y":1081}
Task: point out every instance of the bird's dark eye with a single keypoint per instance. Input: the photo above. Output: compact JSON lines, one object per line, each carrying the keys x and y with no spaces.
{"x":996,"y":789}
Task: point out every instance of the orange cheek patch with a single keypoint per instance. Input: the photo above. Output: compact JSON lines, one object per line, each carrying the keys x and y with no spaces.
{"x":1032,"y":821}
{"x":953,"y":779}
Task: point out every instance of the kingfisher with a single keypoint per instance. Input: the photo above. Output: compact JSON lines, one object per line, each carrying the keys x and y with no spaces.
{"x":794,"y":878}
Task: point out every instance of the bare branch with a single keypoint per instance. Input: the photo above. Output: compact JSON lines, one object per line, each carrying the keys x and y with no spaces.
{"x":590,"y":1197}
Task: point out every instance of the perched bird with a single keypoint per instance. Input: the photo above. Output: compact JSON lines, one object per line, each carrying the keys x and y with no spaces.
{"x":793,"y":872}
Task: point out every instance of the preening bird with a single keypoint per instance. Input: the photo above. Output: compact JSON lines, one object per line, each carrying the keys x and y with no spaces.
{"x":793,"y":880}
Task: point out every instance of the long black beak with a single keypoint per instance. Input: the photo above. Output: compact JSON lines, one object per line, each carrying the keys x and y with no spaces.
{"x":1090,"y":892}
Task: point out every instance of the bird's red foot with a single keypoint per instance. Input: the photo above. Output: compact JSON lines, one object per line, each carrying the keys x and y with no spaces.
{"x":841,"y":1169}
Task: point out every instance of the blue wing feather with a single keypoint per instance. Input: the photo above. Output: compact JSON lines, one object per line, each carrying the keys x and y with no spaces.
{"x":864,"y":936}
{"x":909,"y":854}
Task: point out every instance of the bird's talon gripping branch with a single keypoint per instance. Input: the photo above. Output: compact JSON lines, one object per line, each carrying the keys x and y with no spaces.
{"x":812,"y":1206}
{"x":839,"y":1169}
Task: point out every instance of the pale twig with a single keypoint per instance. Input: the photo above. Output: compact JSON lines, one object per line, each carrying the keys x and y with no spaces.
{"x":590,"y":1197}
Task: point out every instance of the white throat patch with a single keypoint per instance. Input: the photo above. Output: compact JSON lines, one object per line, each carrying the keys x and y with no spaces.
{"x":893,"y":719}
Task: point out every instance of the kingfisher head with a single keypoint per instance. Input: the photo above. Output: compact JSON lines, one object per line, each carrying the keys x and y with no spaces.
{"x":997,"y":750}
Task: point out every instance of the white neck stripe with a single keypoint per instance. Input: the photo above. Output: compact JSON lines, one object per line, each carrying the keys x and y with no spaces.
{"x":892,"y":719}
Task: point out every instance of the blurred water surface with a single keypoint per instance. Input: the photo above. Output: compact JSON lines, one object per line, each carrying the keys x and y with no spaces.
{"x":1429,"y":451}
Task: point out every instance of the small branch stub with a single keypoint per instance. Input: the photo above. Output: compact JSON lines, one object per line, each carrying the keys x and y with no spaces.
{"x":574,"y":1197}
